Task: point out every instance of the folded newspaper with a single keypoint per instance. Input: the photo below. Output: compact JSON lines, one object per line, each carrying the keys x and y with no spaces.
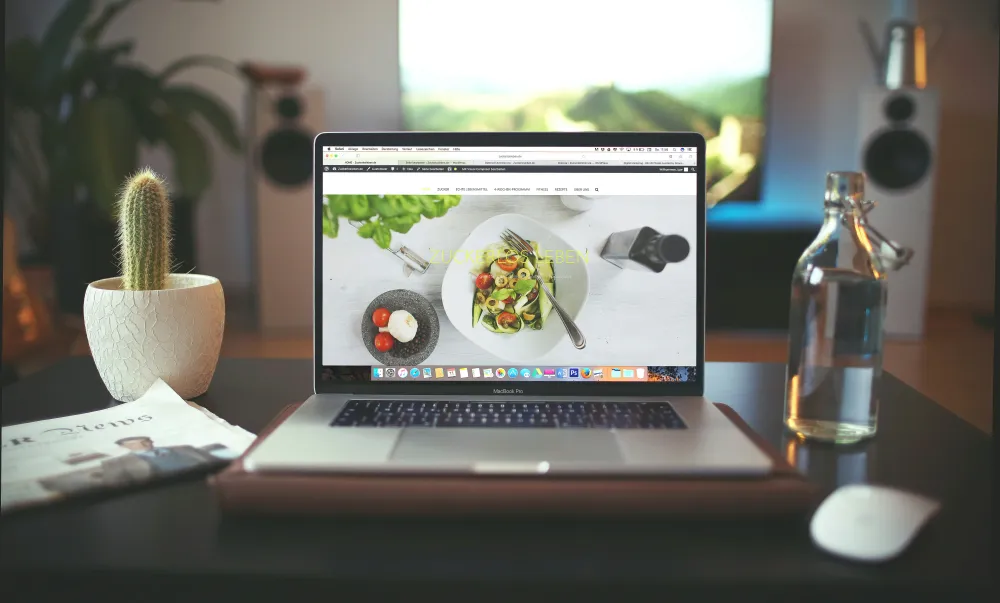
{"x":159,"y":435}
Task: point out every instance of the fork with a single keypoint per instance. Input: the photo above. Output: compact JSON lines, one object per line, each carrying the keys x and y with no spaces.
{"x":575,"y":334}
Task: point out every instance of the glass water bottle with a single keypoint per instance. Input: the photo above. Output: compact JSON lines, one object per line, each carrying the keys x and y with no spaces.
{"x":835,"y":328}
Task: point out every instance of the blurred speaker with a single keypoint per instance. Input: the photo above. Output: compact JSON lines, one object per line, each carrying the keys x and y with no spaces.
{"x":284,"y":121}
{"x":898,"y":142}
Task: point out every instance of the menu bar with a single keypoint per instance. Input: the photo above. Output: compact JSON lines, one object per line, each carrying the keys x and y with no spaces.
{"x":510,"y":168}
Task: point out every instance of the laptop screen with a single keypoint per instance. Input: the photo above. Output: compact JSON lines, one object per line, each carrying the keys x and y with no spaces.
{"x":508,"y":265}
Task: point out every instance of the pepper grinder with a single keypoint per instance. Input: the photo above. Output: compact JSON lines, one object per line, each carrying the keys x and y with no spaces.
{"x":645,"y":249}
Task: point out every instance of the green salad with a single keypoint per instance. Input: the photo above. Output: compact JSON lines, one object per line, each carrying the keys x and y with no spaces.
{"x":507,"y":297}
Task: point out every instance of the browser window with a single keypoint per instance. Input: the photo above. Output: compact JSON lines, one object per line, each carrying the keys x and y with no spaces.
{"x":465,"y":264}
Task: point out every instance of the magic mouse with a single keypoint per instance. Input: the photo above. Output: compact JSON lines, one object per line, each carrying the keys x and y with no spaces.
{"x":869,"y":523}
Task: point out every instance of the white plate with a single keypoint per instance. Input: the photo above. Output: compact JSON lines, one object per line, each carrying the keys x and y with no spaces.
{"x":571,"y":279}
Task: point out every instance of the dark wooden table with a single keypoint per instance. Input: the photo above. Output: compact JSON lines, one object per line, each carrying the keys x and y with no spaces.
{"x":169,"y":541}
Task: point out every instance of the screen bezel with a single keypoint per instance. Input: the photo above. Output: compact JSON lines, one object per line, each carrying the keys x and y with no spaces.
{"x":511,"y":139}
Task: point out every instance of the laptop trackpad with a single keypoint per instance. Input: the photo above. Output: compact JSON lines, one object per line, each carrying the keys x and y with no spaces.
{"x":461,"y":446}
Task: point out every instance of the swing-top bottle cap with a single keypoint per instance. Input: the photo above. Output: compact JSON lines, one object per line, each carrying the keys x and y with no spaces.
{"x":844,"y":189}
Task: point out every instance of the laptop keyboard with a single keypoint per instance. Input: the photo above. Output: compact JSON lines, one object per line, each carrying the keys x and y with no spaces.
{"x":423,"y":413}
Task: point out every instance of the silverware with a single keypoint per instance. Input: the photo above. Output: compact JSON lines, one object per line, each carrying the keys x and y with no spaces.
{"x":521,"y":245}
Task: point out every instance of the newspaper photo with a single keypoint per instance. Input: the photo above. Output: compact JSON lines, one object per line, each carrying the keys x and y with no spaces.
{"x":157,"y":436}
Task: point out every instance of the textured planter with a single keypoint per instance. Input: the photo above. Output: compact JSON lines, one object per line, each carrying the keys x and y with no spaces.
{"x":138,"y":336}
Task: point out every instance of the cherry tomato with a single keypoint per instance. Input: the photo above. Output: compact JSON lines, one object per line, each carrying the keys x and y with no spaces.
{"x":509,"y":300}
{"x":384,"y":342}
{"x":484,"y":281}
{"x":507,"y":264}
{"x":506,"y":319}
{"x":381,"y":317}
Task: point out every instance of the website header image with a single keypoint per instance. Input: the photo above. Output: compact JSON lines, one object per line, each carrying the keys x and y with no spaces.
{"x":418,"y":279}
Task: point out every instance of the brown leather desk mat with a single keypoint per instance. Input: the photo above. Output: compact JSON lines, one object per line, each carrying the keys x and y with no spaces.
{"x":783,"y":492}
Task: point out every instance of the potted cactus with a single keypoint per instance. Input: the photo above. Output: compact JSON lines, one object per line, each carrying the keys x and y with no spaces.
{"x":149,"y":323}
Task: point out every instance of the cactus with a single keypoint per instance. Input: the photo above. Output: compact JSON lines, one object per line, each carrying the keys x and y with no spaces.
{"x":144,"y":232}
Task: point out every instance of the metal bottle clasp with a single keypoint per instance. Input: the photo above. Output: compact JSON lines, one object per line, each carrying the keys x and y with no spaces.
{"x":893,"y":255}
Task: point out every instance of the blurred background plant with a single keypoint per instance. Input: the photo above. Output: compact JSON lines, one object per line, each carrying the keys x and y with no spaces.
{"x":77,"y":110}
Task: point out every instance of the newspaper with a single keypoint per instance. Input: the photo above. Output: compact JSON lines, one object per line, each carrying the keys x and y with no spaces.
{"x":157,"y":436}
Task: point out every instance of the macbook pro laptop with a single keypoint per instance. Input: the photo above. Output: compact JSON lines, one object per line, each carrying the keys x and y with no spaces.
{"x":509,"y":303}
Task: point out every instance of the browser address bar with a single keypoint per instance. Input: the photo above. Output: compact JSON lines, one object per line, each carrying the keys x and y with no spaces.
{"x":514,"y":156}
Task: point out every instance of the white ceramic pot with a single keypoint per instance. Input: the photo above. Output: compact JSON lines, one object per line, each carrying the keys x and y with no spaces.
{"x":138,"y":336}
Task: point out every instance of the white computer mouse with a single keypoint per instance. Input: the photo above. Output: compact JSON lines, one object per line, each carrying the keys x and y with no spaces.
{"x":870,"y":523}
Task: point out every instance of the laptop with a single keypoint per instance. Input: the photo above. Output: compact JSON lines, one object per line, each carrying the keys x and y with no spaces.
{"x":509,"y":304}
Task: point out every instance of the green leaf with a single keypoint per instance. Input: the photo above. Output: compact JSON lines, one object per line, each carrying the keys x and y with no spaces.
{"x":501,"y":293}
{"x":186,"y":100}
{"x":148,"y":122}
{"x":427,"y":206}
{"x":199,"y":60}
{"x":383,"y":237}
{"x":337,"y":204}
{"x":20,"y":65}
{"x":57,"y":40}
{"x":331,"y":222}
{"x":402,"y":224}
{"x":331,"y":227}
{"x":523,"y":286}
{"x":105,"y":141}
{"x":136,"y":80}
{"x":387,"y":206}
{"x":358,"y":208}
{"x":93,"y":65}
{"x":367,"y":230}
{"x":141,"y":90}
{"x":372,"y":212}
{"x":93,"y":31}
{"x":410,"y":204}
{"x":192,"y":161}
{"x":436,"y":210}
{"x":113,"y":51}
